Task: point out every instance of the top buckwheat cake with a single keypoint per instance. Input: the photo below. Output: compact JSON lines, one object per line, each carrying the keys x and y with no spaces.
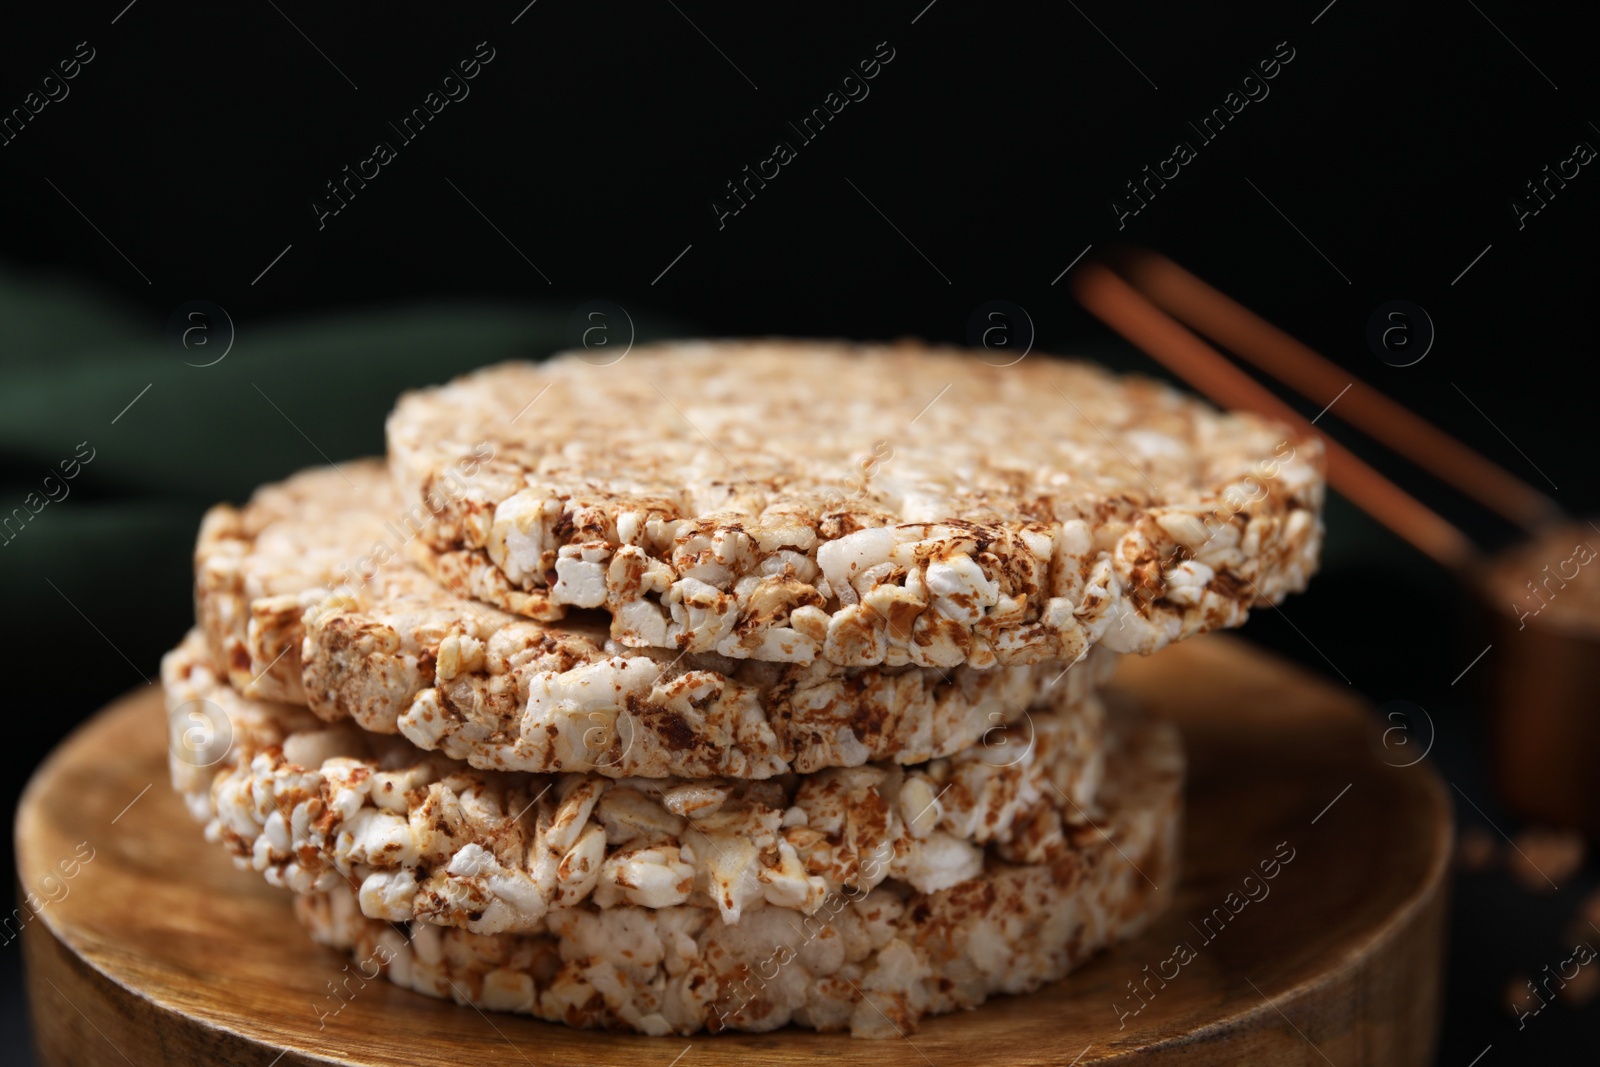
{"x":862,"y":505}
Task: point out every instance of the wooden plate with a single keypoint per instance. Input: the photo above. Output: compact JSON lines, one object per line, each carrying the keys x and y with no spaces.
{"x":156,"y":951}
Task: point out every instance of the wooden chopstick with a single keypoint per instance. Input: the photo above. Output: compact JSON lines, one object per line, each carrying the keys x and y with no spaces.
{"x":1125,"y":310}
{"x":1252,"y":338}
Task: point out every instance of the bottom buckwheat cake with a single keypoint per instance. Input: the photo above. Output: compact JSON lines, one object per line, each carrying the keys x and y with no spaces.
{"x":312,"y":806}
{"x":872,"y":962}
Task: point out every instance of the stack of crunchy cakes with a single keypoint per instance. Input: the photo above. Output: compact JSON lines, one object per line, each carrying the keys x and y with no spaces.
{"x":731,"y":685}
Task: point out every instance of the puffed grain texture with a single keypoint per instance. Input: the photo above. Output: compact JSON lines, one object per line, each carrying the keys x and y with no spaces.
{"x":313,"y":806}
{"x":863,"y":505}
{"x":872,"y":963}
{"x":307,"y":595}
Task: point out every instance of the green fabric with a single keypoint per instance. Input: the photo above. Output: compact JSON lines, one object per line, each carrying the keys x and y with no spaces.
{"x":289,"y":394}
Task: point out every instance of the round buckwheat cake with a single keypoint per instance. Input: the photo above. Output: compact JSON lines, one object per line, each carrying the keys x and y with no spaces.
{"x":422,"y":836}
{"x":870,"y":962}
{"x":307,"y":596}
{"x":788,"y":501}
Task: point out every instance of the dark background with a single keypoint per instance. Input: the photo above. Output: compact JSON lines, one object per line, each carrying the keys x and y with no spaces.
{"x":586,"y":158}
